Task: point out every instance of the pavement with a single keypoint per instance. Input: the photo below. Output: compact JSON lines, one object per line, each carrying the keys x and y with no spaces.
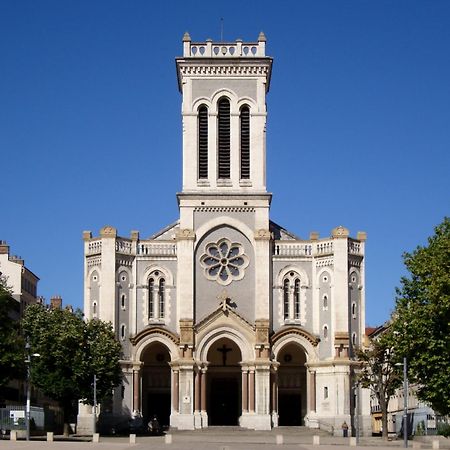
{"x":219,"y":438}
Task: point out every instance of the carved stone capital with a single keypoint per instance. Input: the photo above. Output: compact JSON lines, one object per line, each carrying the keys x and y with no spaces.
{"x":186,"y":332}
{"x":263,"y":235}
{"x":87,"y":235}
{"x":185,"y":234}
{"x":262,"y":331}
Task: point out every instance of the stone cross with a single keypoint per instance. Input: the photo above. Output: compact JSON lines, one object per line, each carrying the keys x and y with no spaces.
{"x":223,"y":297}
{"x":224,"y":350}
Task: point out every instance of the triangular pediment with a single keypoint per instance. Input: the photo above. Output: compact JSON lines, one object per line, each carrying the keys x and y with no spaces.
{"x":224,"y":314}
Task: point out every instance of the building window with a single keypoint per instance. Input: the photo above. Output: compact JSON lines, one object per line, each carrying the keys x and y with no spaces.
{"x":297,"y":299}
{"x":354,"y":310}
{"x":94,"y":309}
{"x":122,"y":332}
{"x":325,"y":332}
{"x":203,"y":142}
{"x":354,"y":338}
{"x":151,"y":305}
{"x":223,"y":138}
{"x":245,"y":142}
{"x":325,"y":302}
{"x":325,"y":392}
{"x":286,"y":299}
{"x":122,"y":301}
{"x":161,"y":295}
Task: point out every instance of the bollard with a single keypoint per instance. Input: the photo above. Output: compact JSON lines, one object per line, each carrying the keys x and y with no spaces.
{"x":132,"y":439}
{"x":435,"y":443}
{"x":316,"y":440}
{"x":96,"y":438}
{"x":279,"y":439}
{"x":352,"y":442}
{"x":417,"y":445}
{"x":168,"y":438}
{"x":13,"y":435}
{"x":49,"y":436}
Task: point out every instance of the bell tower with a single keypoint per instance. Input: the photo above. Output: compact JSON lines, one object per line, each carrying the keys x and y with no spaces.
{"x":224,"y":88}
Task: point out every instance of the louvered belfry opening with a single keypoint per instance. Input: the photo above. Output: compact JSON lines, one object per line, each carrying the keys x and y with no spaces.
{"x":224,"y":138}
{"x":203,"y":142}
{"x":245,"y":142}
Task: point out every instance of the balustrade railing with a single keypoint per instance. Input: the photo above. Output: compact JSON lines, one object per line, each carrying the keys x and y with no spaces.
{"x":292,"y":249}
{"x":123,"y":246}
{"x":157,"y":249}
{"x":94,"y":247}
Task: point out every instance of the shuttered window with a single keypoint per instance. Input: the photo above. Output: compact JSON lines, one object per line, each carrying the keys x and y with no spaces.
{"x":245,"y":142}
{"x":151,"y":302}
{"x":203,"y":142}
{"x":286,"y":299}
{"x":223,"y":138}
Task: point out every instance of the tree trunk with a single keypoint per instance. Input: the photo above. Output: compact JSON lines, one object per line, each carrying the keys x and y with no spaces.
{"x":384,"y":417}
{"x":67,"y":409}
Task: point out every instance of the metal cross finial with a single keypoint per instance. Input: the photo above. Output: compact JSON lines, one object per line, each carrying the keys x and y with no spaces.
{"x":223,"y":297}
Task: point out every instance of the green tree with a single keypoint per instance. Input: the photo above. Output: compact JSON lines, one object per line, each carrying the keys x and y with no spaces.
{"x":71,"y":352}
{"x":379,"y":372}
{"x":12,"y":354}
{"x":422,"y":318}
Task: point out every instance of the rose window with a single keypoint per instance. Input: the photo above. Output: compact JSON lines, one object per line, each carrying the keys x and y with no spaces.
{"x":224,"y":261}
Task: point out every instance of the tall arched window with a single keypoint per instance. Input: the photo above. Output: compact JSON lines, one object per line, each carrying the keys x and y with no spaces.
{"x":297,"y":299}
{"x":202,"y":142}
{"x":286,"y":299}
{"x":245,"y":141}
{"x":161,"y":295}
{"x":151,"y":302}
{"x":223,"y":138}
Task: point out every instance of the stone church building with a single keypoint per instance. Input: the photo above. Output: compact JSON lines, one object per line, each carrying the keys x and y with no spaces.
{"x":225,"y":317}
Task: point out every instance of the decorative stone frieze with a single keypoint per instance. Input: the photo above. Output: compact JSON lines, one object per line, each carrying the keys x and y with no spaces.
{"x":224,"y":70}
{"x":186,"y":332}
{"x":340,"y":232}
{"x":262,"y":331}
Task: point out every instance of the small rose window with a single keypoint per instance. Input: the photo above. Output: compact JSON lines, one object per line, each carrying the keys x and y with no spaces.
{"x":224,"y":261}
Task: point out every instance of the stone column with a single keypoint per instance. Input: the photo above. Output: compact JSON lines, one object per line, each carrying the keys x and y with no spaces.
{"x":244,"y":390}
{"x":312,"y":390}
{"x":274,"y":392}
{"x":175,"y":391}
{"x":198,"y":384}
{"x":251,"y":387}
{"x":136,"y":389}
{"x":203,"y":391}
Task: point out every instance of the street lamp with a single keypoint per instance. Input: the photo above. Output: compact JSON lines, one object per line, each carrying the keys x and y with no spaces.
{"x":405,"y":401}
{"x":28,"y":405}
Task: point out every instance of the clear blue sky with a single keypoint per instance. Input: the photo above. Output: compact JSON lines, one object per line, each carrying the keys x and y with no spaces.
{"x":90,"y":132}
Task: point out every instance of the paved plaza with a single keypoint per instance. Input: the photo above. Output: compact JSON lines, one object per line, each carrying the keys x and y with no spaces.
{"x":220,"y":438}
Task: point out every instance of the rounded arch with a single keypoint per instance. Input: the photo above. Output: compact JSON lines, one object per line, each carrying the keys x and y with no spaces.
{"x":199,"y":102}
{"x":224,"y":221}
{"x":304,"y":279}
{"x":246,"y":101}
{"x":92,"y":271}
{"x":224,"y":93}
{"x":299,"y":339}
{"x":237,"y":337}
{"x":152,"y":338}
{"x":167,"y":274}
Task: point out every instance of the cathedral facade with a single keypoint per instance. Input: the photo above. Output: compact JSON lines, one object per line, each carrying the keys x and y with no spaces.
{"x":225,"y":317}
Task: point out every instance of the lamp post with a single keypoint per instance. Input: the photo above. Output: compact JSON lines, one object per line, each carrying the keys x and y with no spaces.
{"x":94,"y":407}
{"x":28,"y":404}
{"x":355,"y":388}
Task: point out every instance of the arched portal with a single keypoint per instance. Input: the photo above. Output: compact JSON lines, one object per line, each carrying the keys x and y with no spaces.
{"x":156,"y":383}
{"x":292,"y":394}
{"x":224,"y":383}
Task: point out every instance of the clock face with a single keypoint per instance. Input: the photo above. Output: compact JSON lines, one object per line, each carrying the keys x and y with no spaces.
{"x":224,"y":261}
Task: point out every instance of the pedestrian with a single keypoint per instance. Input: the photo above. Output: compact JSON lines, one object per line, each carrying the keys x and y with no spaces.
{"x":345,"y":429}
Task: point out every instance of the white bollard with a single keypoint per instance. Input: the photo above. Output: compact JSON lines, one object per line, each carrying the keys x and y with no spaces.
{"x":49,"y":436}
{"x":96,"y":438}
{"x":168,"y":438}
{"x":316,"y":440}
{"x":435,"y":443}
{"x":352,"y":442}
{"x":13,"y":435}
{"x":279,"y":439}
{"x":132,"y":439}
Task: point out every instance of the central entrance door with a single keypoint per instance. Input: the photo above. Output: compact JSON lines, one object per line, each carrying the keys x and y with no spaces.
{"x":291,"y":385}
{"x":224,"y":405}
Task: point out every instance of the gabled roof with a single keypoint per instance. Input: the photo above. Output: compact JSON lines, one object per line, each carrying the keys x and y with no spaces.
{"x":167,"y":233}
{"x":281,"y":234}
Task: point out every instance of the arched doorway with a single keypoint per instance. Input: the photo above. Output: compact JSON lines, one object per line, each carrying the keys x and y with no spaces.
{"x":156,"y":379}
{"x":291,"y":385}
{"x":224,"y":383}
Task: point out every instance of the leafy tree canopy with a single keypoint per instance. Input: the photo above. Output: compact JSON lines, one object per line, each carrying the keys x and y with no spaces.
{"x":422,"y":318}
{"x":71,"y":352}
{"x":11,"y":344}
